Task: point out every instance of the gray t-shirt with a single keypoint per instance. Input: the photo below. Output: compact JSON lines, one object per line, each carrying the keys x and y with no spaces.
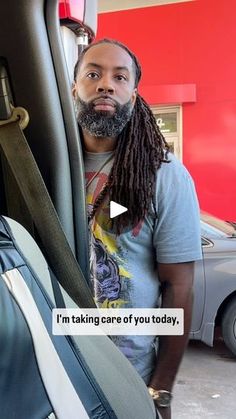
{"x":123,"y":268}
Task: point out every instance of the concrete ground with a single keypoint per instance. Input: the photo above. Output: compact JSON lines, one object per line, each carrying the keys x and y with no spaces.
{"x":206,"y":383}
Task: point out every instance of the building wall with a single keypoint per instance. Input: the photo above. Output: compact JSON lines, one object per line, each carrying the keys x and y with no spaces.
{"x":191,"y":44}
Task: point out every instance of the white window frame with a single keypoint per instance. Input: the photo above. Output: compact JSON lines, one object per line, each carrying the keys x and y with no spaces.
{"x":174,"y":139}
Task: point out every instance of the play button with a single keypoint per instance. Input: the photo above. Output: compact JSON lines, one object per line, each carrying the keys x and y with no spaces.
{"x":116,"y":209}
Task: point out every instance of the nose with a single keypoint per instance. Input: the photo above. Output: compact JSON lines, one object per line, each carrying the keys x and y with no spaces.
{"x":105,"y":85}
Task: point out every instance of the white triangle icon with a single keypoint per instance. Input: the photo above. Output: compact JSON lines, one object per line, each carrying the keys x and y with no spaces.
{"x":116,"y":209}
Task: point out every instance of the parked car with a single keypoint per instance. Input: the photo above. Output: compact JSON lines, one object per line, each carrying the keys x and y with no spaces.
{"x":215,"y":283}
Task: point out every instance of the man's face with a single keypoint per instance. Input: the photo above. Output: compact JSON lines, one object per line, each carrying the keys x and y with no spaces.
{"x":104,"y":91}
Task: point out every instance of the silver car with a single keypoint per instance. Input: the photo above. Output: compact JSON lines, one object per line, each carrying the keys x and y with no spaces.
{"x":215,"y":283}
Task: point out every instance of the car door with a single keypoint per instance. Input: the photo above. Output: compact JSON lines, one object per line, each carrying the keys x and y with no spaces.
{"x":199,"y":296}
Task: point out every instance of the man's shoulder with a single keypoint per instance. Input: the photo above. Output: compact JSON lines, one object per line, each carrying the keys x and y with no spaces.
{"x":172,"y":174}
{"x":173,"y":166}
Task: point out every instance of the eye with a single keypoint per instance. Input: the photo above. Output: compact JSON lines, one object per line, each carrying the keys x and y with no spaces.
{"x":92,"y":75}
{"x":121,"y":77}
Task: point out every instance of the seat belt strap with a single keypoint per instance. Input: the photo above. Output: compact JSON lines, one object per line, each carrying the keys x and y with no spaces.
{"x":59,"y":300}
{"x":59,"y":254}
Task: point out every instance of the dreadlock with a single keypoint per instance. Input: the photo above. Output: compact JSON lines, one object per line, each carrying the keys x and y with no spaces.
{"x":139,"y":153}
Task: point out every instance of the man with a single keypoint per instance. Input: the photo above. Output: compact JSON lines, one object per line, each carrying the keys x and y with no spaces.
{"x":148,"y":250}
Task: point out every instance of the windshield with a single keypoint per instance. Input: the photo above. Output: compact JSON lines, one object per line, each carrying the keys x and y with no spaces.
{"x":214,"y":227}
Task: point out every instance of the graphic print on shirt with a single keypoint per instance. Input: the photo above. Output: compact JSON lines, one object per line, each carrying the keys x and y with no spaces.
{"x":104,"y":273}
{"x":110,"y":278}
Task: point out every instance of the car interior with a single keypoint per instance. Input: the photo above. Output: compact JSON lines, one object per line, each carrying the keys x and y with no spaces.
{"x":35,"y":74}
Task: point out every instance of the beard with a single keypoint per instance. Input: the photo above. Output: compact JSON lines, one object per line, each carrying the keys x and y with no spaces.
{"x":102,"y":123}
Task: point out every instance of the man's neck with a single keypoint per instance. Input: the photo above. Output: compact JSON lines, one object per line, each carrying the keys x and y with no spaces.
{"x":98,"y":145}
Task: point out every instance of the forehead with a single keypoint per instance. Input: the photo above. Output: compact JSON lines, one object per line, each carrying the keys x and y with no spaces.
{"x":107,"y":56}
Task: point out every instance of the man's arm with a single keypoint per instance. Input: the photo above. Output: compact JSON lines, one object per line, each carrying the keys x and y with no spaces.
{"x":176,"y":288}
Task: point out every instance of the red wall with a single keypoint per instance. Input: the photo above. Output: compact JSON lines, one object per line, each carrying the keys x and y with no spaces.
{"x":191,"y":43}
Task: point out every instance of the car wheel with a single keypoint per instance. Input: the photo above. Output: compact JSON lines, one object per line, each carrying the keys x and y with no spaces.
{"x":228,"y":326}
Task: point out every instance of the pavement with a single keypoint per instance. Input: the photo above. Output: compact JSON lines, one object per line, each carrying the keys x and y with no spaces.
{"x":206,"y":383}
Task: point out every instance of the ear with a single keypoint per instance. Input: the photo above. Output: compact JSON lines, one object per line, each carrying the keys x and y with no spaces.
{"x":134,"y":96}
{"x":74,"y":90}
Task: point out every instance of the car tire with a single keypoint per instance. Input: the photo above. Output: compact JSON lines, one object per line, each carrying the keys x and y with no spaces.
{"x":228,"y":326}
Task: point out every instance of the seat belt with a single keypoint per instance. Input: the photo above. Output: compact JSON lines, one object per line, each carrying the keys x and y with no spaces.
{"x":33,"y":189}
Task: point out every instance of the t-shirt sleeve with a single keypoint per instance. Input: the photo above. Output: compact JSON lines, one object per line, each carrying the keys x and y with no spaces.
{"x":176,"y":235}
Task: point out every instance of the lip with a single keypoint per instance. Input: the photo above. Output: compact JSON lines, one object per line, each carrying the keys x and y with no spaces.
{"x":104,"y":104}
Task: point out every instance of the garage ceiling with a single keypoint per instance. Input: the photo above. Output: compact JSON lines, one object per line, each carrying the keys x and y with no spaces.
{"x":114,"y":5}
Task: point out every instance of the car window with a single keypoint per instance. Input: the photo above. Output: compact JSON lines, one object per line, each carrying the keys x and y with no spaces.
{"x":214,"y":227}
